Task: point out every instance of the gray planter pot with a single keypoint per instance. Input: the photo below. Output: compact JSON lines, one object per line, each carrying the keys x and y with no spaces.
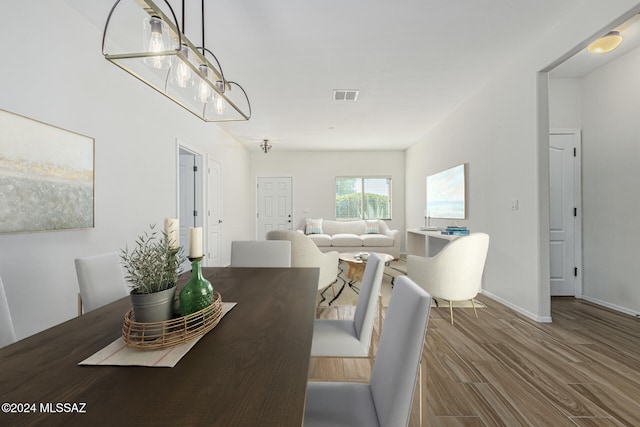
{"x":155,"y":307}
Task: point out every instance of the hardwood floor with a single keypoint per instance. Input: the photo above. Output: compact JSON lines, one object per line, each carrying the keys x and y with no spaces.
{"x":504,"y":369}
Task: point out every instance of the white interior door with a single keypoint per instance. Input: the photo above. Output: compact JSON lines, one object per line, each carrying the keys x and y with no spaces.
{"x":564,"y":225}
{"x":214,"y":214}
{"x":274,"y":205}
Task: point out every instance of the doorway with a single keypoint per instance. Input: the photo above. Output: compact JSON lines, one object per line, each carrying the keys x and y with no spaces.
{"x":189,"y":195}
{"x":274,"y":205}
{"x":565,"y":212}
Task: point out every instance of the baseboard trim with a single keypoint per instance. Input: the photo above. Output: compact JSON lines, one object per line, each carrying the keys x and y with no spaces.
{"x":534,"y":317}
{"x":611,"y":306}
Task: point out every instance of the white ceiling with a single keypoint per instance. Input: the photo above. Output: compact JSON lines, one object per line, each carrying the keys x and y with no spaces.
{"x":413,"y":61}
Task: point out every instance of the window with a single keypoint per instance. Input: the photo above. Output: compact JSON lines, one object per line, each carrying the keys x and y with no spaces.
{"x":363,"y":198}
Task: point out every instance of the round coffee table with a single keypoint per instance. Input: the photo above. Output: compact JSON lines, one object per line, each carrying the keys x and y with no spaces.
{"x":356,"y":266}
{"x":357,"y":263}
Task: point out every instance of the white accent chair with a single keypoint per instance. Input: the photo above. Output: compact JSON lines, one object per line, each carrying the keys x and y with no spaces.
{"x":101,"y":281}
{"x":352,"y":338}
{"x":7,"y":333}
{"x":305,"y":253}
{"x":386,"y":400}
{"x":260,"y":253}
{"x":454,"y":273}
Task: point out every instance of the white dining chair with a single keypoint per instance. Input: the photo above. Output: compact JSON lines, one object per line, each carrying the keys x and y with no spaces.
{"x":454,"y":273}
{"x":261,"y":253}
{"x":386,"y":400}
{"x":7,"y":333}
{"x":101,"y":281}
{"x":352,"y":338}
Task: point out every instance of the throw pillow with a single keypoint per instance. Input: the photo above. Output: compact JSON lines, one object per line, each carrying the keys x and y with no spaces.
{"x":314,"y":226}
{"x":372,"y":227}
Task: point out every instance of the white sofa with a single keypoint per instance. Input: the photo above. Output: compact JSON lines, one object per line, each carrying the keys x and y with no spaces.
{"x":351,"y":236}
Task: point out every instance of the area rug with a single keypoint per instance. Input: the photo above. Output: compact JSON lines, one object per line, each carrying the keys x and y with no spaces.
{"x":344,"y":293}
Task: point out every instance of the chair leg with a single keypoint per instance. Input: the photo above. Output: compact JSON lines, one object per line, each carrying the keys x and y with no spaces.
{"x":379,"y":315}
{"x":451,"y":310}
{"x":474,"y":308}
{"x":79,"y":305}
{"x":420,"y":390}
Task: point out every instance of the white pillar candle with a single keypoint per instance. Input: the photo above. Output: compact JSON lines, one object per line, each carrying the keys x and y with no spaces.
{"x":195,"y":242}
{"x":171,"y":229}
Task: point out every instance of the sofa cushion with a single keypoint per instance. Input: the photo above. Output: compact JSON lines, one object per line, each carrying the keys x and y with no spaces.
{"x":377,"y":240}
{"x":346,"y":240}
{"x":372,"y":227}
{"x":343,"y":227}
{"x":321,"y":240}
{"x":313,"y":226}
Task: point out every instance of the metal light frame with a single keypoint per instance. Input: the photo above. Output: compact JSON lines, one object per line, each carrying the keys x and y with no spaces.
{"x":131,"y":63}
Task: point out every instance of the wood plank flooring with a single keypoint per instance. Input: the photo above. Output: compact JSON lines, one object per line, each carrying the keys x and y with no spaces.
{"x":504,"y":369}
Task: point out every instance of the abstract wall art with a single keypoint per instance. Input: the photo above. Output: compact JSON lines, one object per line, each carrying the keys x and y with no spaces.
{"x":46,"y":177}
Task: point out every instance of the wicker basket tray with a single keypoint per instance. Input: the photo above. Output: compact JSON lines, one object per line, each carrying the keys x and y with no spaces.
{"x":158,"y":335}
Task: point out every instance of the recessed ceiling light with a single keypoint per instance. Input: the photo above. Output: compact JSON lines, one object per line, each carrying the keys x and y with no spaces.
{"x":606,"y":44}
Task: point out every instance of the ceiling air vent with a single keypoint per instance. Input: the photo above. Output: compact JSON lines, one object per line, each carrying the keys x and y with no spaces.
{"x":345,"y":94}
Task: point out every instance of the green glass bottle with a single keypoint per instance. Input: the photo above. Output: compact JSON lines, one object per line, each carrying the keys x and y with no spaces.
{"x":197,"y":293}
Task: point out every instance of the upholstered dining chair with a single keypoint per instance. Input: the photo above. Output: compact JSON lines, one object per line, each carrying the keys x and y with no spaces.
{"x":261,"y":253}
{"x":352,"y":338}
{"x":454,"y":273}
{"x":101,"y":281}
{"x":7,"y":333}
{"x":386,"y":400}
{"x":305,"y":253}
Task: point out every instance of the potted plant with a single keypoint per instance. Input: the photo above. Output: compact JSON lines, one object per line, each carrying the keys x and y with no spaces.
{"x":152,"y":268}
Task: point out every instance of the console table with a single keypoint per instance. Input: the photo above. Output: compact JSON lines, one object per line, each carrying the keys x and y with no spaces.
{"x":426,"y":243}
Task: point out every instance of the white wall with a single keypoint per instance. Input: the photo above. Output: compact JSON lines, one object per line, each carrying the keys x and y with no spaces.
{"x":501,"y":131}
{"x":314,"y":176}
{"x":611,"y":173}
{"x":491,"y":135}
{"x":565,"y":104}
{"x":53,"y":71}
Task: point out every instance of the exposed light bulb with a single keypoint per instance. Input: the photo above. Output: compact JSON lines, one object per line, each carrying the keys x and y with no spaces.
{"x":204,"y":93}
{"x":220,"y":103}
{"x":181,"y":75}
{"x":154,"y":41}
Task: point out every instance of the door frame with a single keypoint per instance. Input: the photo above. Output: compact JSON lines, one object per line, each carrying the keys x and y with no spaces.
{"x":577,"y":195}
{"x":210,"y":159}
{"x":202,"y":202}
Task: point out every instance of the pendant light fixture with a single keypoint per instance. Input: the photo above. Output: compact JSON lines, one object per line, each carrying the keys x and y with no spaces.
{"x":606,"y":43}
{"x":146,"y":41}
{"x":265,"y":146}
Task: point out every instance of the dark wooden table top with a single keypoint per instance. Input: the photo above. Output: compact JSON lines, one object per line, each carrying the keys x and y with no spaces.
{"x":250,"y":370}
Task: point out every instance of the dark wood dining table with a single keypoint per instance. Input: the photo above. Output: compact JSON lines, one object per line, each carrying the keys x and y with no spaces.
{"x":250,"y":370}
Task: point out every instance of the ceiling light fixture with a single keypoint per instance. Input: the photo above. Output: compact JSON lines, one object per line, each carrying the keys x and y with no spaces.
{"x":265,"y":146}
{"x":168,"y":62}
{"x":606,"y":43}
